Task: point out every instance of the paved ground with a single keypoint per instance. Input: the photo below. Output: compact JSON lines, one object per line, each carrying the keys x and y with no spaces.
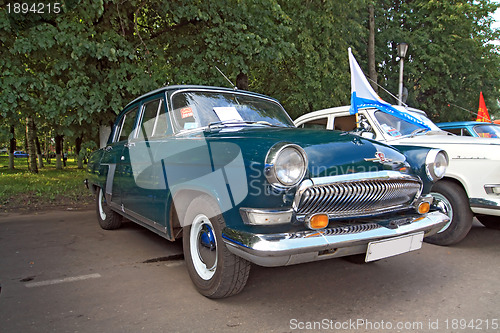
{"x":60,"y":272}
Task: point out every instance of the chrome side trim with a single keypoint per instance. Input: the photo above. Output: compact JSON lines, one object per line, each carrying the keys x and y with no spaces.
{"x":292,"y":248}
{"x":139,"y":218}
{"x":484,"y":203}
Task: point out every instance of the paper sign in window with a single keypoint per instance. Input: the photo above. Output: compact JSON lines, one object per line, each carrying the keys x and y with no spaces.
{"x":186,"y":112}
{"x":227,"y":113}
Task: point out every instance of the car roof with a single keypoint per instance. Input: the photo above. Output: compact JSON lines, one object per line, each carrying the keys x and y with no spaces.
{"x":454,"y":124}
{"x":194,"y":87}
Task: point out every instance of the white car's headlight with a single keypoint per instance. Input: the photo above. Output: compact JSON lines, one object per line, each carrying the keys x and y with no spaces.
{"x":286,"y":165}
{"x":436,"y":163}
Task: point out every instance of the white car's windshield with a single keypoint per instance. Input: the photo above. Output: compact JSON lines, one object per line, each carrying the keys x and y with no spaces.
{"x":396,"y":127}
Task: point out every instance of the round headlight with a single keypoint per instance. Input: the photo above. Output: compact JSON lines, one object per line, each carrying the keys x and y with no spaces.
{"x":286,"y":165}
{"x":436,"y":164}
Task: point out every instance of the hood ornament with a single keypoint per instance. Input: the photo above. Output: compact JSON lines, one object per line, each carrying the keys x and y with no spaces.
{"x":379,"y":157}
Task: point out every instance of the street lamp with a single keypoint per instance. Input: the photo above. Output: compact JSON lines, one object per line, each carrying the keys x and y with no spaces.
{"x":402,"y":48}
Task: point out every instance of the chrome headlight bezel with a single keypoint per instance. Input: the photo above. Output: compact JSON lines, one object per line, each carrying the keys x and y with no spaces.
{"x":436,"y":163}
{"x":272,"y":166}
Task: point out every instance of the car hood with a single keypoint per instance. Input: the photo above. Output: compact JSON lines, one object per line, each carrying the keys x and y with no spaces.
{"x":443,"y":138}
{"x":329,"y":153}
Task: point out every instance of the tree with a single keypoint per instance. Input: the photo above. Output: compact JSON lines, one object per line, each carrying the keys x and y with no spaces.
{"x":30,"y":143}
{"x":316,"y":74}
{"x":372,"y":71}
{"x":450,"y":58}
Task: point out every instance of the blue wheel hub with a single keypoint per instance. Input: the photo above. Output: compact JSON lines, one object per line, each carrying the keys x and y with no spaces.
{"x":207,"y":246}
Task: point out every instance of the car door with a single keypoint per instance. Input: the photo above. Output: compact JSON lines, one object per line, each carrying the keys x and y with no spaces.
{"x":144,"y":189}
{"x":113,"y":156}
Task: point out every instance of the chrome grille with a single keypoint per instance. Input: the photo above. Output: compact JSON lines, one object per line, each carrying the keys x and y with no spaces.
{"x":338,"y":230}
{"x":357,"y":197}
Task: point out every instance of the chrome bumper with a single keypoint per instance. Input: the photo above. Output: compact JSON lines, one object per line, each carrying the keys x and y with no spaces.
{"x":294,"y":248}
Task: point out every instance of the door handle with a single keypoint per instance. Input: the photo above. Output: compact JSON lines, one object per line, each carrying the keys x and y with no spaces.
{"x":130,"y":144}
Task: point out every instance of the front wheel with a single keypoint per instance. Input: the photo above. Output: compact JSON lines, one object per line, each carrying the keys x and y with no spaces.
{"x":215,"y":272}
{"x":108,"y":219}
{"x":489,"y":221}
{"x":451,"y":199}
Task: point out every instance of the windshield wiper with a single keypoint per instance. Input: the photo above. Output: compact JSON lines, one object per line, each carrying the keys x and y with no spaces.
{"x":418,"y":130}
{"x":220,"y":123}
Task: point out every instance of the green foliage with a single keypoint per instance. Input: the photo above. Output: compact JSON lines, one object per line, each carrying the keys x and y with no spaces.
{"x":237,"y":36}
{"x":316,"y":75}
{"x":450,"y":57}
{"x":49,"y":187}
{"x":75,"y":70}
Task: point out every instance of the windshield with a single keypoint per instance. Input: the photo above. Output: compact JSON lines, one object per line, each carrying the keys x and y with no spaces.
{"x":487,"y":131}
{"x":197,"y":109}
{"x":396,"y":127}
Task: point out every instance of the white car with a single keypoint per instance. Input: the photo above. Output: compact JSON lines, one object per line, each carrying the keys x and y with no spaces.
{"x":471,"y":185}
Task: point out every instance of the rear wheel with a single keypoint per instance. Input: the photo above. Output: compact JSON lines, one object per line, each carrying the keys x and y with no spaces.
{"x":489,"y":221}
{"x":108,"y":219}
{"x":451,"y":200}
{"x":215,"y":272}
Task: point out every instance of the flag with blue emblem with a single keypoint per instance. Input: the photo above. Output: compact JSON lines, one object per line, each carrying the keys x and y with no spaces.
{"x":363,"y":96}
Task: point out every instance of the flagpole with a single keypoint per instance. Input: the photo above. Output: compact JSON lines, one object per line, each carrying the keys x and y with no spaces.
{"x":402,"y":48}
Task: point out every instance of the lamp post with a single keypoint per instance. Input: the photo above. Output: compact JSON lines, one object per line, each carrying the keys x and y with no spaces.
{"x":402,"y":48}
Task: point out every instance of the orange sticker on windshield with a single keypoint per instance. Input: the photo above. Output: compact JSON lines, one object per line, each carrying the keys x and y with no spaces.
{"x":186,"y":112}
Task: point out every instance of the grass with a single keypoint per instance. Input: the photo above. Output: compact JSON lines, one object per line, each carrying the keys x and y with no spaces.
{"x":21,"y":190}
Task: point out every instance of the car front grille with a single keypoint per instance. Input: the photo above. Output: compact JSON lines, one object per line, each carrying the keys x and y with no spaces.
{"x":353,"y":198}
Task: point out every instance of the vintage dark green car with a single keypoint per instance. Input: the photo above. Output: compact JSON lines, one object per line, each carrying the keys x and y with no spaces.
{"x":228,"y":171}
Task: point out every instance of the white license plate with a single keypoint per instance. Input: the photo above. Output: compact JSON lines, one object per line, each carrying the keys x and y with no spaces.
{"x":394,"y":246}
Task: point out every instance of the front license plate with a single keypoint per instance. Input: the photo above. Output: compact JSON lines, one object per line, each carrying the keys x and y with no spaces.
{"x":394,"y":246}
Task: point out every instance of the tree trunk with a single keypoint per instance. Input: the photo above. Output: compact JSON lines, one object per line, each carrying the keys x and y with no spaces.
{"x":59,"y":141}
{"x":12,"y":147}
{"x":78,"y":148}
{"x":30,"y":143}
{"x":39,"y":152}
{"x":242,"y":81}
{"x":372,"y":71}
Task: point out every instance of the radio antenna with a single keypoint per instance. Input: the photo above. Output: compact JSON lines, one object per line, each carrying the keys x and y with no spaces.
{"x":463,"y":109}
{"x":387,"y":91}
{"x":234,"y":87}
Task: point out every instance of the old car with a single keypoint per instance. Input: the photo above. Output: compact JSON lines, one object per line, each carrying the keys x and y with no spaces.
{"x":471,"y":185}
{"x":228,"y":172}
{"x":471,"y":128}
{"x":20,"y":154}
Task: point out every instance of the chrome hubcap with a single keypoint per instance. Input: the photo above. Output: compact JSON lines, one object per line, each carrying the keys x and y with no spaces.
{"x":102,"y":203}
{"x":203,"y":246}
{"x":444,"y":206}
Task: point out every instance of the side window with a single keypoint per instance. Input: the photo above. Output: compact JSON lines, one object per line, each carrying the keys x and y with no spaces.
{"x":126,"y":125}
{"x":457,"y":131}
{"x":345,"y":123}
{"x":154,"y":120}
{"x":320,"y":123}
{"x":466,"y":132}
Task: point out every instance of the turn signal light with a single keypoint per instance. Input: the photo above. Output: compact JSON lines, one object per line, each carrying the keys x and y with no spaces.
{"x":318,"y":221}
{"x":424,"y":207}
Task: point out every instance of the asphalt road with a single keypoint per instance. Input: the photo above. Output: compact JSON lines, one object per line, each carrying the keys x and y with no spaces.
{"x":59,"y":272}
